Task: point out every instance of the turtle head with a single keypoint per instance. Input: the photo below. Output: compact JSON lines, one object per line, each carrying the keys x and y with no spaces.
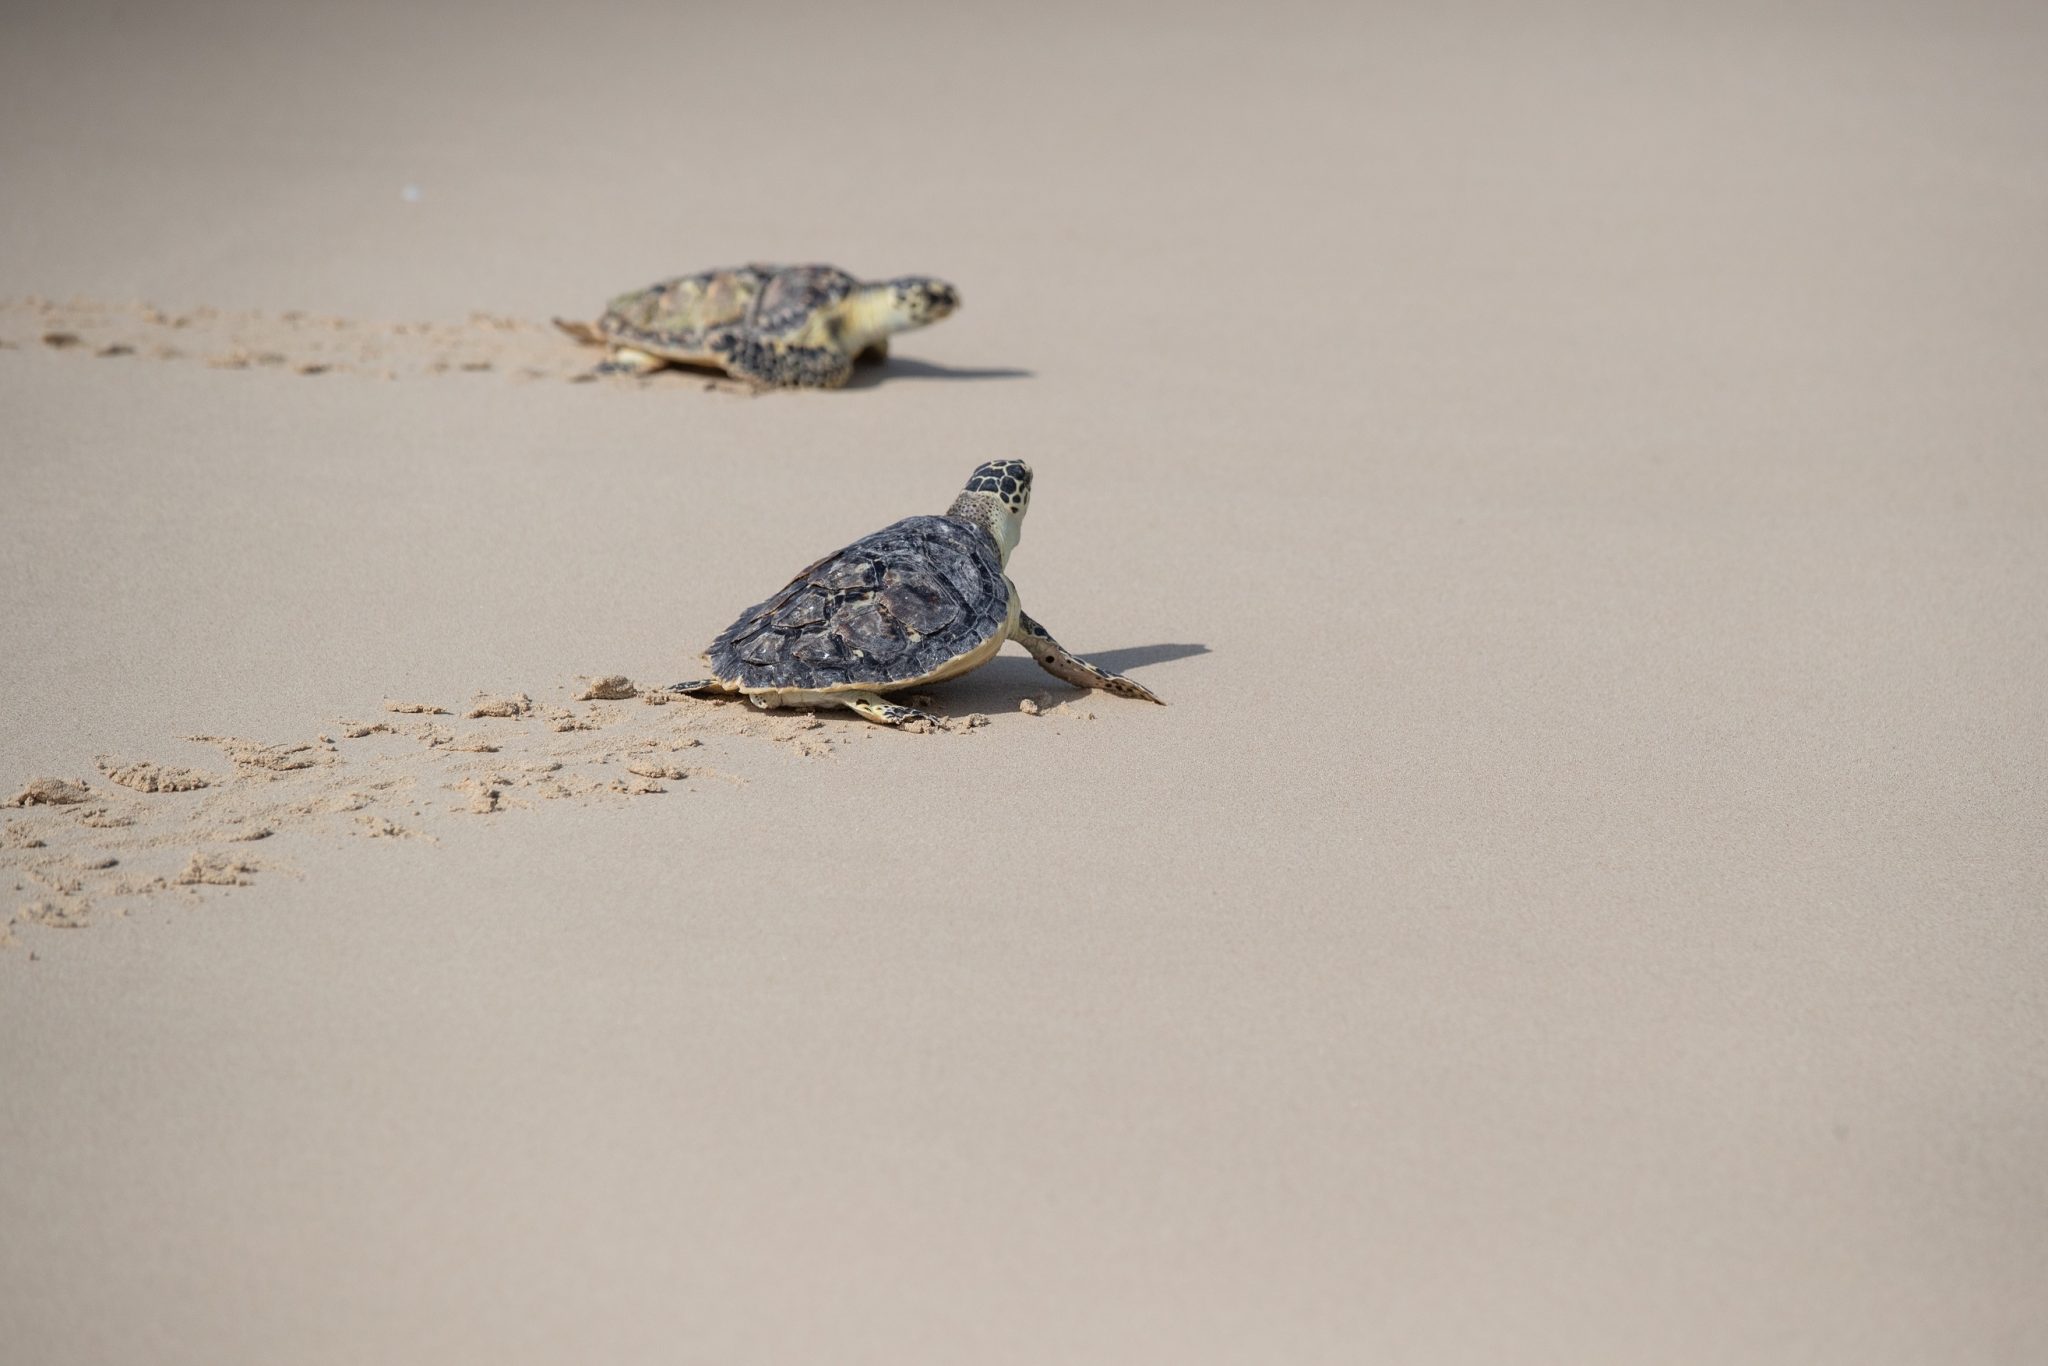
{"x":995,"y":499}
{"x":916,"y":300}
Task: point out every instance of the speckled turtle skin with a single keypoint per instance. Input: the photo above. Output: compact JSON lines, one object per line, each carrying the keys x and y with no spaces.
{"x":777,"y":326}
{"x":891,"y":608}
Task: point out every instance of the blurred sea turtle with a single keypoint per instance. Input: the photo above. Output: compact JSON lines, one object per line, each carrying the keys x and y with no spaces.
{"x":916,"y":602}
{"x":778,"y":326}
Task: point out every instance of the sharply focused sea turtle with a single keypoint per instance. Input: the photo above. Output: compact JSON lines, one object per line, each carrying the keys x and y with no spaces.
{"x":920,"y":601}
{"x":778,"y":326}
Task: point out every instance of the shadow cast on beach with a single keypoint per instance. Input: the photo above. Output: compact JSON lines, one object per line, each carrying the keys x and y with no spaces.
{"x":867,"y":375}
{"x":870,"y":374}
{"x":1138,"y":656}
{"x":1006,"y":680}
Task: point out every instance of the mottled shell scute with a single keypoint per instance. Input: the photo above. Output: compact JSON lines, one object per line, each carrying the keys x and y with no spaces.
{"x":683,"y":317}
{"x":791,"y":297}
{"x":891,"y":607}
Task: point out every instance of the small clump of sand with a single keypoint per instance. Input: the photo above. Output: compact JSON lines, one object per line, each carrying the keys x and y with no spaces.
{"x":215,"y":870}
{"x":516,"y":704}
{"x":656,"y":768}
{"x":155,"y":777}
{"x":51,"y":792}
{"x":254,"y":754}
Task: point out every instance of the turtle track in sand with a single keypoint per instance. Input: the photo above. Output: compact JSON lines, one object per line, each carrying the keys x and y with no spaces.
{"x":308,"y":345}
{"x":131,"y":831}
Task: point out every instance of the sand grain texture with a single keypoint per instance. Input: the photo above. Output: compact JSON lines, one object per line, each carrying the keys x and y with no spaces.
{"x":1573,"y":471}
{"x":295,"y":344}
{"x":396,"y":789}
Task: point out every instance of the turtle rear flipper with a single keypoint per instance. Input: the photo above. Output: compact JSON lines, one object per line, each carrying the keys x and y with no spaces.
{"x":881,"y":711}
{"x":629,"y":360}
{"x":582,"y":332}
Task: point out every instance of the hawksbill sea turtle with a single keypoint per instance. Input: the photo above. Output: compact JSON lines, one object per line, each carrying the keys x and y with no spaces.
{"x":922,"y":600}
{"x":775,"y":326}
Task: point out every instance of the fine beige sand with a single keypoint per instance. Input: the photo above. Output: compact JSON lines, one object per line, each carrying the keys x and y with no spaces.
{"x":1575,"y":473}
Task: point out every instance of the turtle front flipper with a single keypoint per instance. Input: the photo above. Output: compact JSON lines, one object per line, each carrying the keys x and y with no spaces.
{"x":1056,"y":660}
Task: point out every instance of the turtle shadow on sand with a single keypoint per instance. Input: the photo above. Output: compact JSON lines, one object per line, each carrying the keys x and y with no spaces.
{"x":1008,"y":679}
{"x":1138,"y":656}
{"x":871,"y":374}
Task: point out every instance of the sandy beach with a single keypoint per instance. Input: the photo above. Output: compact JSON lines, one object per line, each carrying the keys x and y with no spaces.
{"x":1574,"y":474}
